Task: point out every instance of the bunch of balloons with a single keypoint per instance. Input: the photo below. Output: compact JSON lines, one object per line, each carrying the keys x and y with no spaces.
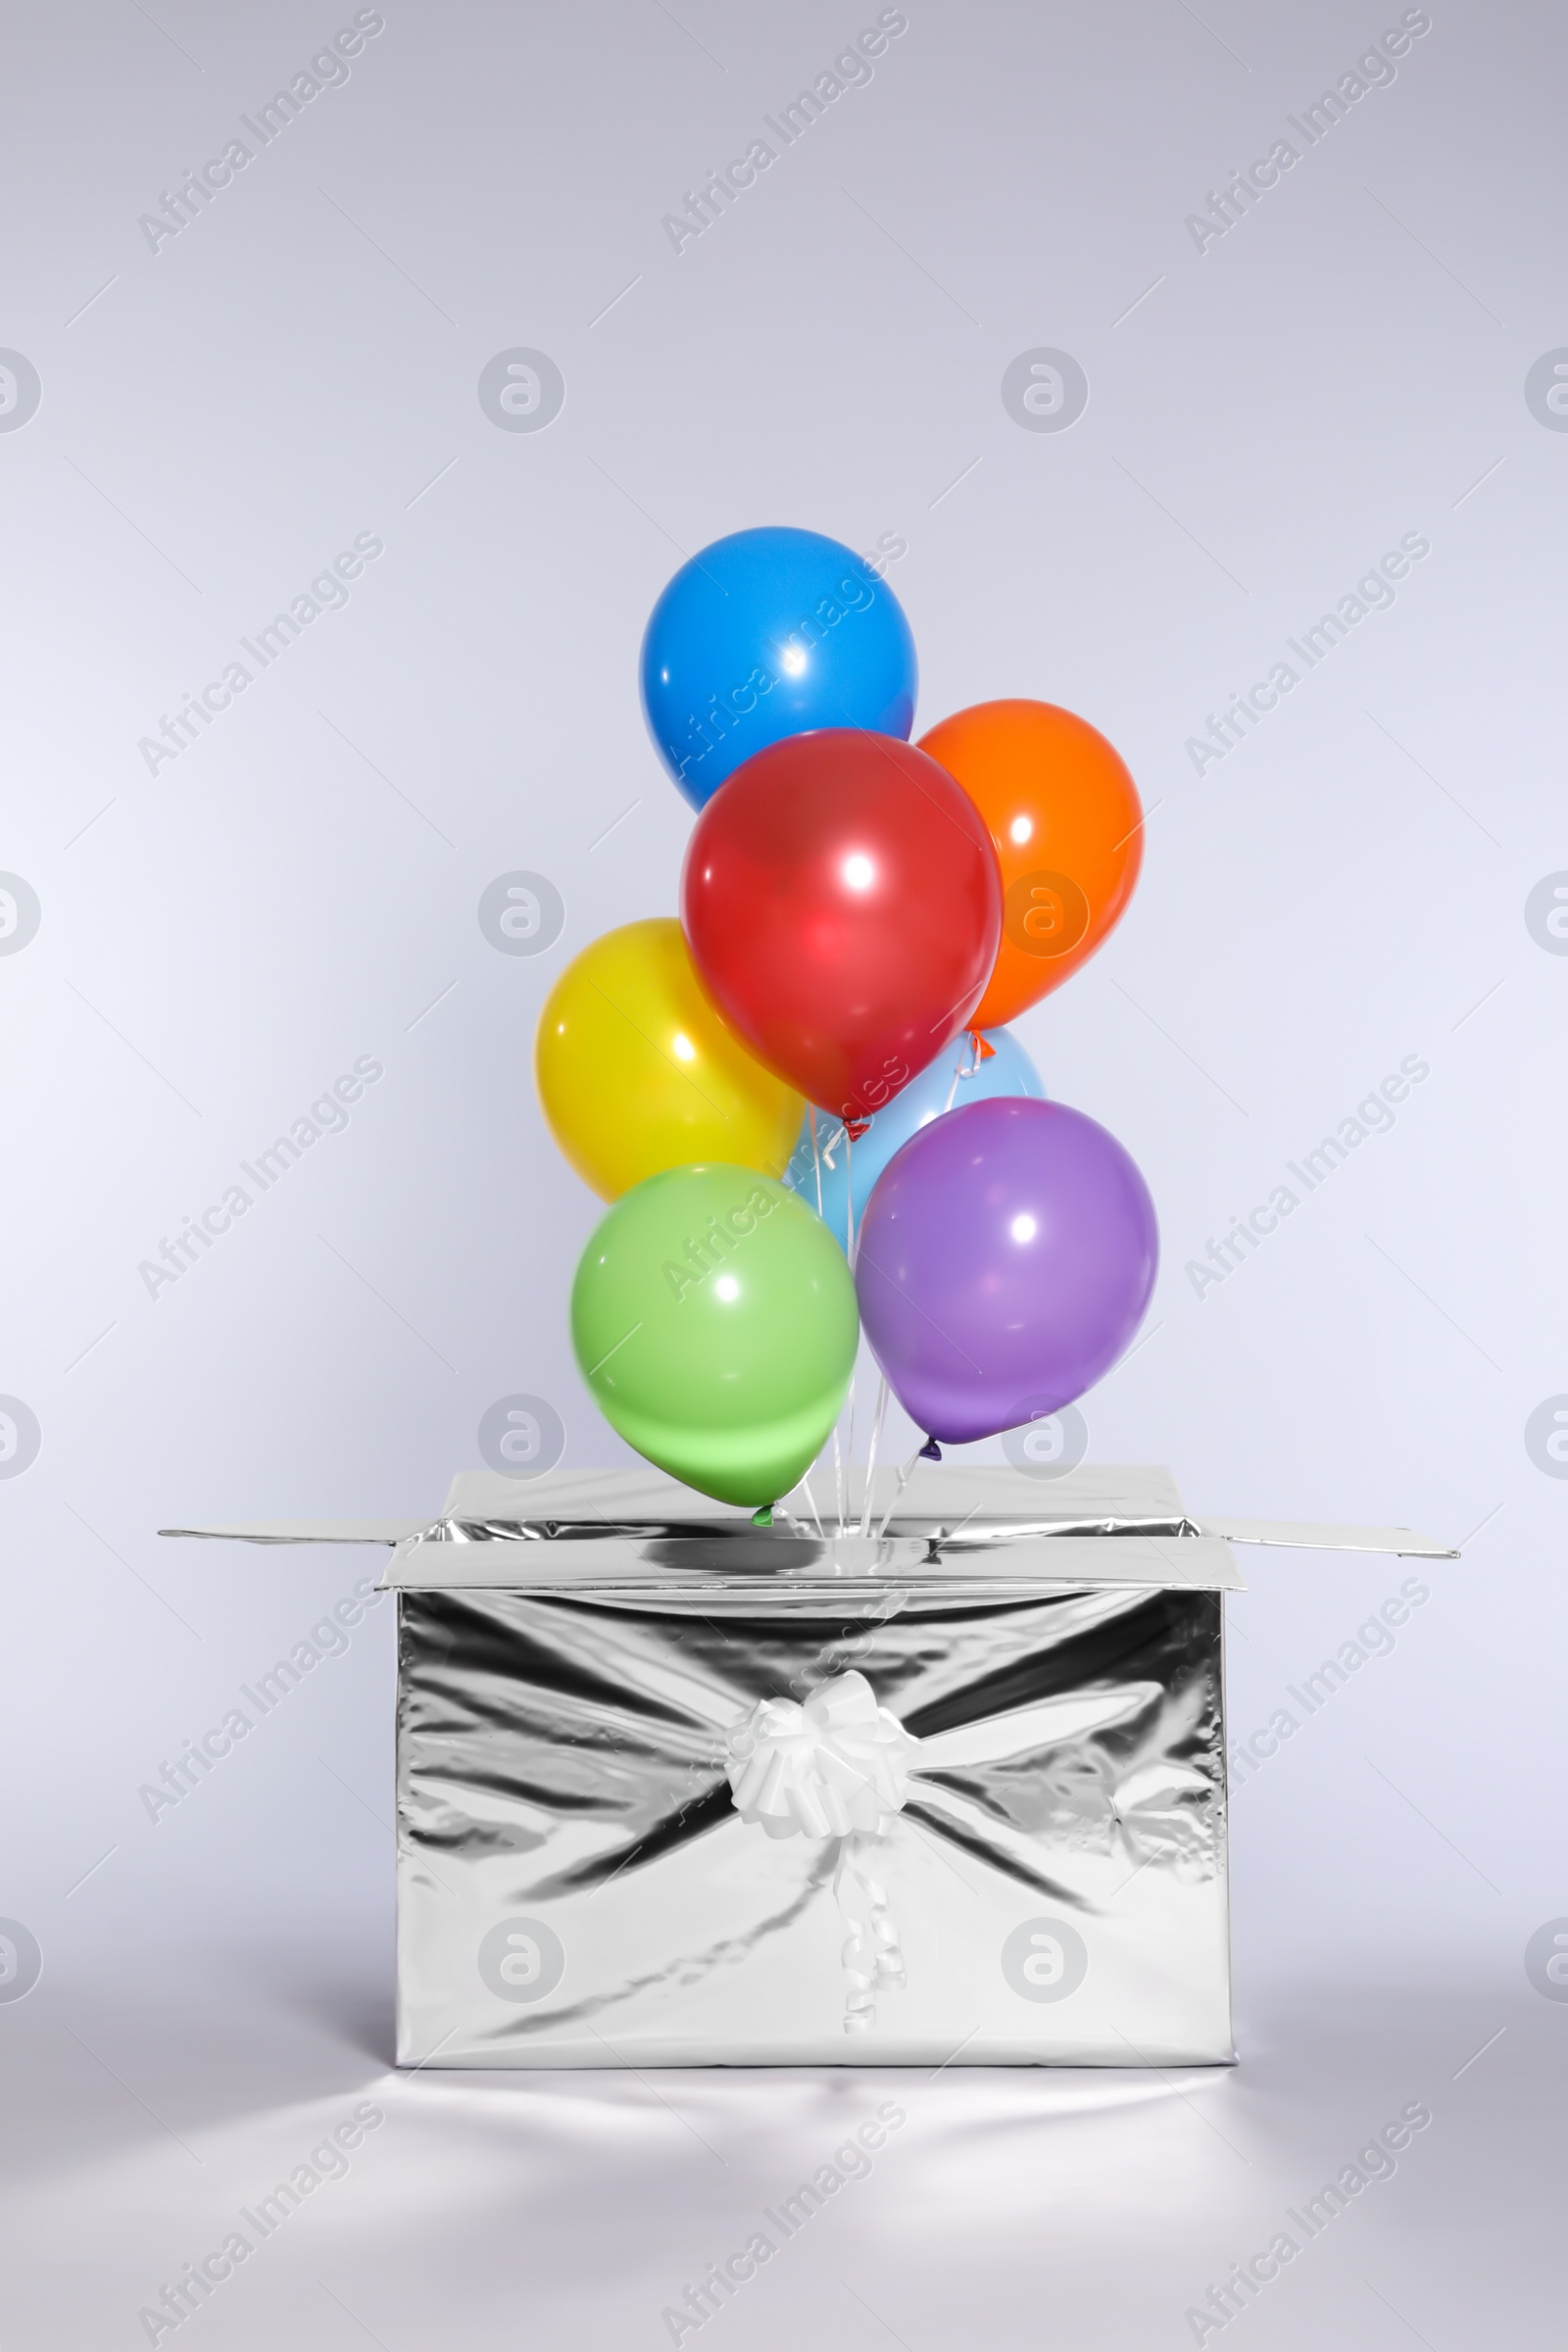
{"x":799,"y":1098}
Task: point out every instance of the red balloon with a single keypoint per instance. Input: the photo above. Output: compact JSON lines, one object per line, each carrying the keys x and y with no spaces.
{"x":843,"y":906}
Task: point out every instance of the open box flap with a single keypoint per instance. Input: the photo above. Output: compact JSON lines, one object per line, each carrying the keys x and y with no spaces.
{"x":306,"y":1531}
{"x":1301,"y":1535}
{"x":981,"y":1526}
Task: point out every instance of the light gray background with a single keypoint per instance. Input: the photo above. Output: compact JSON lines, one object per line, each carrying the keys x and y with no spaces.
{"x":218,"y":942}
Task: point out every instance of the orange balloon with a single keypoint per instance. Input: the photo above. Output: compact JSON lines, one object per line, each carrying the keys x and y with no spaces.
{"x":1067,"y":826}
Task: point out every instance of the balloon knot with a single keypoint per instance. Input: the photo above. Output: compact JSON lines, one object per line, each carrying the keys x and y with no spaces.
{"x":855,"y":1128}
{"x":763,"y":1517}
{"x":984,"y":1050}
{"x":930,"y":1451}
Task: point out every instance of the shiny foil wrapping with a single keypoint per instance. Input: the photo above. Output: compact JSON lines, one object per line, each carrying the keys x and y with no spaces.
{"x":930,"y":1769}
{"x":784,"y":1810}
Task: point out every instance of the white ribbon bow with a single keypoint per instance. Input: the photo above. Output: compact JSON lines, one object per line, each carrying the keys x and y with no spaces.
{"x":836,"y":1767}
{"x":839,"y":1763}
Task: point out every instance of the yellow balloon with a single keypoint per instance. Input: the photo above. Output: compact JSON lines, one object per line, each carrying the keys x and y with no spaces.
{"x":637,"y":1072}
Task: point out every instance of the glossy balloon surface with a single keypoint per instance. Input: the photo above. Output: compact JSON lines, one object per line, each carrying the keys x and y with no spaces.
{"x":1066,"y":824}
{"x":763,"y":635}
{"x":842,"y":1165}
{"x":716,"y":1324}
{"x":1007,"y":1257}
{"x":843,"y":907}
{"x":638,"y":1072}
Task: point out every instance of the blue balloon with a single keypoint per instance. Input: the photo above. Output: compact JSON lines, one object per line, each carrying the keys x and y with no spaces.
{"x":1009,"y":1071}
{"x":770,"y":633}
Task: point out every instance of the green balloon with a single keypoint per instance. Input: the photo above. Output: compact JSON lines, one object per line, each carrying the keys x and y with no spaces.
{"x":716,"y":1322}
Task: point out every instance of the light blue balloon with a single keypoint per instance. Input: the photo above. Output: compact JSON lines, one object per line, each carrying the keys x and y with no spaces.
{"x":1009,"y":1071}
{"x":768,"y":633}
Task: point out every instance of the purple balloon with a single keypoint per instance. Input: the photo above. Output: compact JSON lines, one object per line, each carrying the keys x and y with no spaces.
{"x":1007,"y":1257}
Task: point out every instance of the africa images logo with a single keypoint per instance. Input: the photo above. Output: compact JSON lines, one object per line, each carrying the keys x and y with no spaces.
{"x":1045,"y":390}
{"x":521,"y":1959}
{"x":521,"y":390}
{"x":20,"y":1960}
{"x":1547,"y":1436}
{"x":1545,"y":390}
{"x":521,"y":914}
{"x":19,"y":391}
{"x":1045,"y":914}
{"x":1546,"y":1959}
{"x":20,"y":1437}
{"x":19,"y":914}
{"x":1044,"y":1960}
{"x":521,"y":1435}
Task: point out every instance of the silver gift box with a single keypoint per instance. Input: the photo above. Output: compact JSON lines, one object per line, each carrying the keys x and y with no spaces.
{"x":674,"y":1789}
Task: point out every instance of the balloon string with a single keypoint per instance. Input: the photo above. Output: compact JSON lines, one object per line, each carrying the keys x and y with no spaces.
{"x":812,"y":1499}
{"x":958,"y":1072}
{"x":849,"y":1251}
{"x":838,"y":1476}
{"x":848,"y":1202}
{"x":839,"y":1481}
{"x":903,"y":1479}
{"x":870,"y":1465}
{"x":838,"y":1467}
{"x":848,"y":1459}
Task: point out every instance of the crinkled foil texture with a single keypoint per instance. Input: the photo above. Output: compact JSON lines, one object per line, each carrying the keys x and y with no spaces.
{"x":562,"y":1767}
